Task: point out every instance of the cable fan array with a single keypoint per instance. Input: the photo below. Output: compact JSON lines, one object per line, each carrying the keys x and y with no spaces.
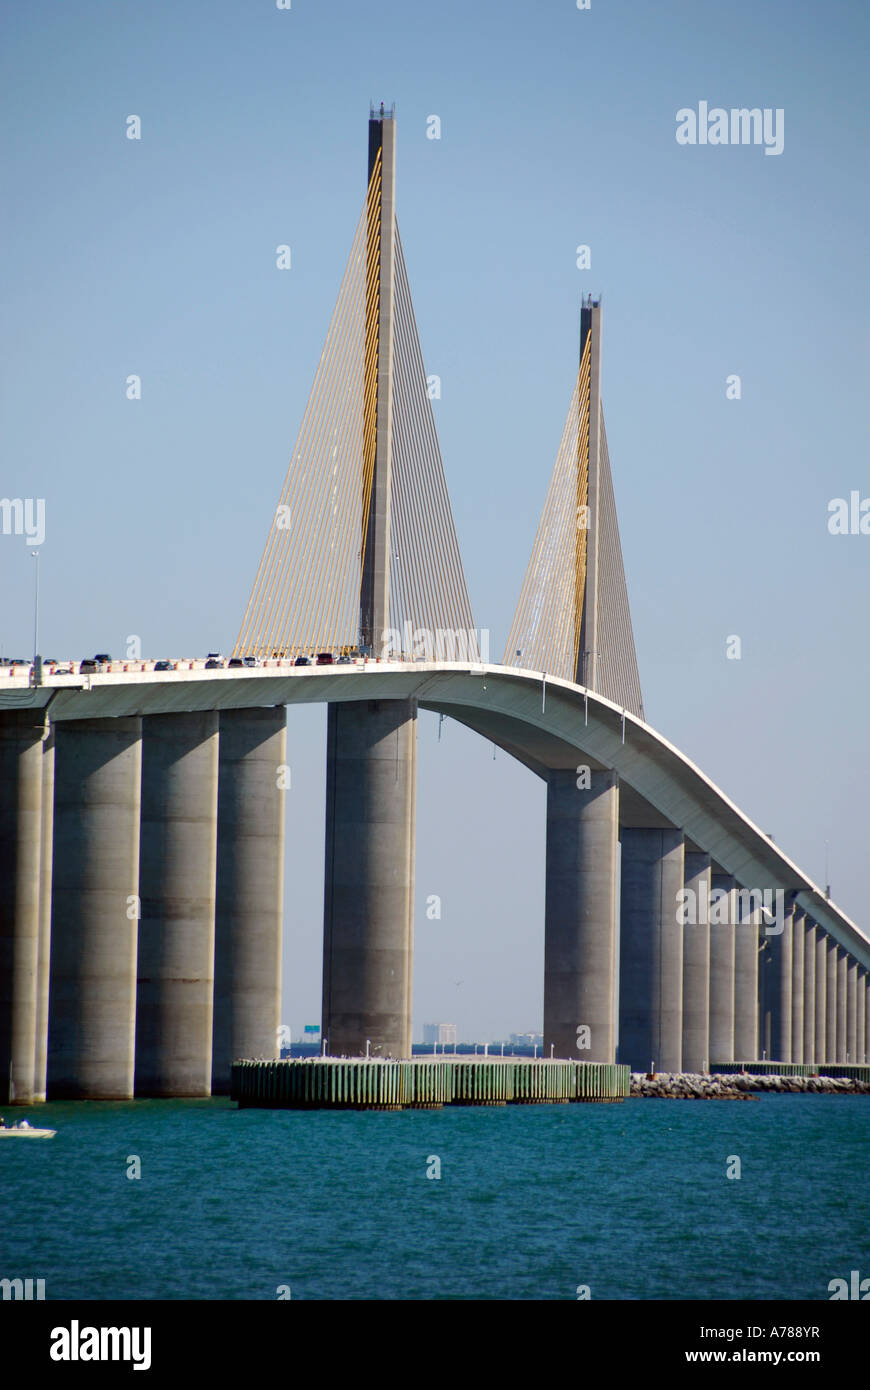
{"x":306,"y":596}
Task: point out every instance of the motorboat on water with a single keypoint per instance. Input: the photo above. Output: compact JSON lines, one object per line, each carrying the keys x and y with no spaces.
{"x":23,"y":1129}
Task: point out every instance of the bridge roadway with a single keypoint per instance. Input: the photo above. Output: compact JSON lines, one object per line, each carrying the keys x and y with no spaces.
{"x":675,"y":825}
{"x":544,"y":722}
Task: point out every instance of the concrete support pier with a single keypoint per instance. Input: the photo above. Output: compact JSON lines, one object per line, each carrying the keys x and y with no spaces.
{"x":842,"y":992}
{"x":696,"y":965}
{"x":747,"y":941}
{"x":371,"y":776}
{"x":798,"y":986}
{"x":178,"y":849}
{"x":92,"y":1006}
{"x":808,"y":932}
{"x":821,"y":1001}
{"x":831,"y":1000}
{"x":852,"y":1011}
{"x":780,"y":995}
{"x":580,"y":932}
{"x":21,"y":774}
{"x":651,"y":950}
{"x":250,"y":887}
{"x":722,"y":917}
{"x":40,"y":1069}
{"x":862,"y":1016}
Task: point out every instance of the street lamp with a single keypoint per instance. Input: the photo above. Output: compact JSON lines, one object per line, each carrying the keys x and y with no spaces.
{"x":35,"y":554}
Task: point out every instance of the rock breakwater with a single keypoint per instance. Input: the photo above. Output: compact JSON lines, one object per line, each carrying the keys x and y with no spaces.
{"x":695,"y":1086}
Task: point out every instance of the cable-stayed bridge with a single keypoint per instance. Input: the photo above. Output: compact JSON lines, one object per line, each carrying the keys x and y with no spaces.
{"x":142,"y":810}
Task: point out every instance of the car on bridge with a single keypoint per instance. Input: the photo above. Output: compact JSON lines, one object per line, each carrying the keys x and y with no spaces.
{"x":101,"y":662}
{"x":163,"y":666}
{"x":325,"y":659}
{"x":214,"y":663}
{"x":302,"y":661}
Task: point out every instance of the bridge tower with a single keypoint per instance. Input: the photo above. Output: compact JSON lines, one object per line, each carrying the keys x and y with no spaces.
{"x":362,"y":556}
{"x":573,"y":621}
{"x":371,"y":750}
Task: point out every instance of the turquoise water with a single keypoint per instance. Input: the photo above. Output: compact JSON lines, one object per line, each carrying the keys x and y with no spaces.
{"x":630,"y":1199}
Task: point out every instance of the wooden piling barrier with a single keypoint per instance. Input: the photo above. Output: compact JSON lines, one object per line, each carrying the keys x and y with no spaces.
{"x":358,"y":1083}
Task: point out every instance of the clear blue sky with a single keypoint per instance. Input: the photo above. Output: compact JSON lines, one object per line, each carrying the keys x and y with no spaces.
{"x":157,"y":257}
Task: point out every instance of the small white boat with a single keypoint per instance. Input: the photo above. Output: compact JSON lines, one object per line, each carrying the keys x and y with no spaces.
{"x":24,"y":1130}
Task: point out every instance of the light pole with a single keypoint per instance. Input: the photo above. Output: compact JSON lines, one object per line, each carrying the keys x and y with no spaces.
{"x":35,"y":554}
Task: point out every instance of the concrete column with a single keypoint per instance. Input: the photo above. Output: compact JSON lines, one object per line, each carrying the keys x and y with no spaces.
{"x":722,"y":918}
{"x":831,"y":1001}
{"x":867,"y":1022}
{"x":808,"y":931}
{"x":651,"y":950}
{"x":765,"y":1026}
{"x":862,"y":1017}
{"x":779,"y":994}
{"x":43,"y":978}
{"x":95,"y":886}
{"x":821,"y":995}
{"x":249,"y":910}
{"x":852,"y":1010}
{"x":580,"y":918}
{"x":842,"y":991}
{"x":178,"y":851}
{"x":746,"y":946}
{"x":21,"y":735}
{"x":696,"y":964}
{"x":798,"y":985}
{"x":371,"y":776}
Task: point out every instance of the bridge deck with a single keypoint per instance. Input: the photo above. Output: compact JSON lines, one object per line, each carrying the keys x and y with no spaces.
{"x":543,"y":721}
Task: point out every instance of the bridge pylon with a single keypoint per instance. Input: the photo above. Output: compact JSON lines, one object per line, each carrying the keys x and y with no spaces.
{"x":361,"y":551}
{"x":371,"y":746}
{"x":573,"y":618}
{"x":362,"y":557}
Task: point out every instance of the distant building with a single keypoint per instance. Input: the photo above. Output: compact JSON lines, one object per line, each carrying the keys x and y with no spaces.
{"x":527,"y":1039}
{"x":444,"y":1034}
